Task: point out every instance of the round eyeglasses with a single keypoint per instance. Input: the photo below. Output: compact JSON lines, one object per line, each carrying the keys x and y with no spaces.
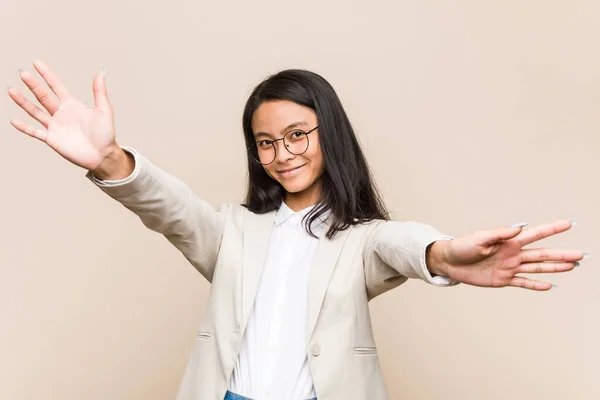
{"x":296,"y":142}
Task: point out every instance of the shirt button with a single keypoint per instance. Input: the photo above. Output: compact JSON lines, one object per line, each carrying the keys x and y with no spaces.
{"x":315,"y":350}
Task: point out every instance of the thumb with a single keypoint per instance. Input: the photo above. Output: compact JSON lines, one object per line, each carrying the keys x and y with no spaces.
{"x":499,"y":234}
{"x":100,"y":94}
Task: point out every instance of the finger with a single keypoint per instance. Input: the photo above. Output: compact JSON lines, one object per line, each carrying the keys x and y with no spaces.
{"x":545,"y":268}
{"x":39,"y":91}
{"x":51,"y":79}
{"x":100,"y":93}
{"x":493,"y":236}
{"x":39,"y":134}
{"x":519,"y":281}
{"x":544,"y":231}
{"x":537,"y":255}
{"x":37,"y":113}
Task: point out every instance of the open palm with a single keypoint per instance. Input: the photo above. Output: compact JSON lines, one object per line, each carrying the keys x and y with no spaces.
{"x":80,"y":134}
{"x":493,"y":258}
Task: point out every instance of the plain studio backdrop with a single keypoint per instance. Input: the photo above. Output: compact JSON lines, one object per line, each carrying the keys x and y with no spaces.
{"x":473,"y":114}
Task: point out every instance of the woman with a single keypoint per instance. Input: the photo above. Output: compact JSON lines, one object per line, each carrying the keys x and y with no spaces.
{"x":293,"y":269}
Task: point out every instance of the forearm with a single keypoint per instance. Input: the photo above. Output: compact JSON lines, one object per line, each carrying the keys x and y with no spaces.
{"x":166,"y":205}
{"x":407,"y":247}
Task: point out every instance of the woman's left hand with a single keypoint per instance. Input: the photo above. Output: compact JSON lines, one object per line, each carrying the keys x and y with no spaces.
{"x":493,"y":258}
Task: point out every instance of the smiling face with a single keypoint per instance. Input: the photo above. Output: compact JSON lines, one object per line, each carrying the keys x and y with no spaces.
{"x":298,"y":173}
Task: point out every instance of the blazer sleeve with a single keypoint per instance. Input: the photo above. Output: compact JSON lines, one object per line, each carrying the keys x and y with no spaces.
{"x":395,"y":251}
{"x":167,"y":205}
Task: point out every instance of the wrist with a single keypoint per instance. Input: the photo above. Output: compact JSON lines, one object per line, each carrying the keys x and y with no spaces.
{"x":117,"y":164}
{"x":436,"y":259}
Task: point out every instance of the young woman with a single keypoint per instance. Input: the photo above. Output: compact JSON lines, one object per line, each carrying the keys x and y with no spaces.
{"x":294,"y":267}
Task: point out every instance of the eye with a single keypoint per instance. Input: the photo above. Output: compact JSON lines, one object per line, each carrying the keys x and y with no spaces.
{"x":297,"y":134}
{"x":264,"y":143}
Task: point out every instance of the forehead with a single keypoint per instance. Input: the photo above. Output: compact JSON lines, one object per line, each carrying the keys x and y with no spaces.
{"x":274,"y":116}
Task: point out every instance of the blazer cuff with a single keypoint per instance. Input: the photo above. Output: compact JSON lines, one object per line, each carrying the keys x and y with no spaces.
{"x":132,"y":176}
{"x":437,"y":280}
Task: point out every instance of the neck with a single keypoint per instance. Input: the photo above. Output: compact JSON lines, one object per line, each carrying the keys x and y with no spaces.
{"x":301,"y":200}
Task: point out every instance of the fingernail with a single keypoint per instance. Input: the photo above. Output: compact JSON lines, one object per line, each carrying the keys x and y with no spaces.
{"x":10,"y":120}
{"x":576,"y":263}
{"x":8,"y":87}
{"x":554,"y":287}
{"x":573,"y":222}
{"x":104,"y":72}
{"x":519,"y":225}
{"x":20,"y":70}
{"x":586,"y":254}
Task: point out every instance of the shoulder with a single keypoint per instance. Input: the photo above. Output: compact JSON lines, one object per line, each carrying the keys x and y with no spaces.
{"x":233,"y":211}
{"x":367,"y":229}
{"x":237,"y":213}
{"x":368,"y":226}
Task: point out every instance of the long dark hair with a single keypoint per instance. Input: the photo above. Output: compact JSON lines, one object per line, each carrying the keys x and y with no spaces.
{"x":347,"y":187}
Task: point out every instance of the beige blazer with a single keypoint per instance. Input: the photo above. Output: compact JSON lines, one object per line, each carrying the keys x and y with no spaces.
{"x":228,"y":246}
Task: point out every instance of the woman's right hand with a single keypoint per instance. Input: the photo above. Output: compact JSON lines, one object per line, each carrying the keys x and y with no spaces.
{"x":85,"y":136}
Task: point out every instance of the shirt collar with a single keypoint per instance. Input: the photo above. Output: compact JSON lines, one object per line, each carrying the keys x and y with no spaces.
{"x":285,"y":213}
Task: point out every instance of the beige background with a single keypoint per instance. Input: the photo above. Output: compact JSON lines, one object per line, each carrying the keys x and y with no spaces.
{"x":472,"y":113}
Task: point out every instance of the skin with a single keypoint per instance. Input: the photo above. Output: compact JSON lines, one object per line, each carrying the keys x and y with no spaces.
{"x":298,"y":174}
{"x":85,"y":136}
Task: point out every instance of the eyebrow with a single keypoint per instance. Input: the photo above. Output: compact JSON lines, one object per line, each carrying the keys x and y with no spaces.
{"x":287,"y":128}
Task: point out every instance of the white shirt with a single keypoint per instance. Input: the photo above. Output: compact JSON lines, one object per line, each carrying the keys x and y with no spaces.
{"x":273,"y":362}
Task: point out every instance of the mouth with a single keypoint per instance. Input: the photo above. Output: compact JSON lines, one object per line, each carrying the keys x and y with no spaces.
{"x":290,"y":171}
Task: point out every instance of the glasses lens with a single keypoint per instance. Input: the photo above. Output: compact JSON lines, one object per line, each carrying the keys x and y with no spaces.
{"x":264,"y":152}
{"x":296,"y":142}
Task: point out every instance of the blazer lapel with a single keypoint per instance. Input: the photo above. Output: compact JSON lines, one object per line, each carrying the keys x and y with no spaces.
{"x":328,"y":252}
{"x":256,"y":237}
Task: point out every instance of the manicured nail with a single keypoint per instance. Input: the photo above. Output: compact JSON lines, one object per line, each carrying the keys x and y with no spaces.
{"x":10,"y":120}
{"x":519,"y":225}
{"x":573,"y":222}
{"x":104,"y":72}
{"x":586,"y":254}
{"x":554,"y":287}
{"x":576,"y":263}
{"x":8,"y":87}
{"x":20,"y":70}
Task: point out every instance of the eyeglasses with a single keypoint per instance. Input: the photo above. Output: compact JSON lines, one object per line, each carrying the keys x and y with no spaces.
{"x":296,"y":142}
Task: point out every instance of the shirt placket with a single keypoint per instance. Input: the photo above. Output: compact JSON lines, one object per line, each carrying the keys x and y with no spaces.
{"x":286,"y":256}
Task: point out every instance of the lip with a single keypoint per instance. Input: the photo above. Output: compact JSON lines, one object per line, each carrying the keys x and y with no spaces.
{"x":290,"y":171}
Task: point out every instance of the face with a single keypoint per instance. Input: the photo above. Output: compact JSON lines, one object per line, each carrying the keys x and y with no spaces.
{"x":298,"y":174}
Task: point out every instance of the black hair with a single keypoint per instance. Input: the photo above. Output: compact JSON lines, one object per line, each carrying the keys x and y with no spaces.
{"x":347,"y":187}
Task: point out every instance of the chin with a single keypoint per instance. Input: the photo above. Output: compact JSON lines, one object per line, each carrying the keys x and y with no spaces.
{"x":293,"y":187}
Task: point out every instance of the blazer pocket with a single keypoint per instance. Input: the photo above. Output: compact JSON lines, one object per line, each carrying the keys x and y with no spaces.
{"x":203,"y":335}
{"x":365,"y":351}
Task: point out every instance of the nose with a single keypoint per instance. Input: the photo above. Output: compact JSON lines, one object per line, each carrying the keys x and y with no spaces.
{"x":282,"y":154}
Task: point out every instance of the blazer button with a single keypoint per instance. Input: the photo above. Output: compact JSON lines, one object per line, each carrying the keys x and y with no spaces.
{"x":315,"y":350}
